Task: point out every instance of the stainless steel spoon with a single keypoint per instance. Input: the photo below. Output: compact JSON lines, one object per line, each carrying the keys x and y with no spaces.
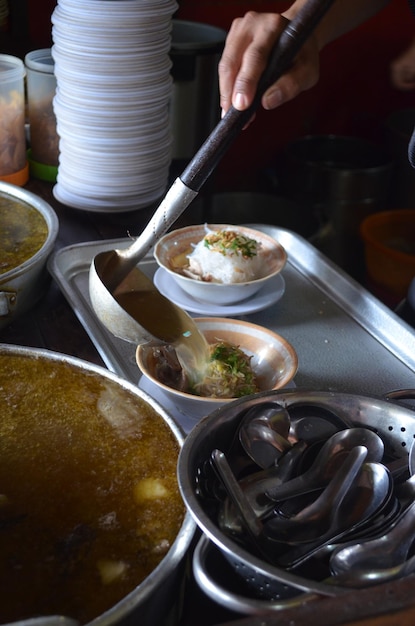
{"x":411,"y":459}
{"x":358,"y":578}
{"x":272,"y":414}
{"x":254,"y":487}
{"x":317,"y":518}
{"x":372,"y":490}
{"x":312,"y":422}
{"x":311,"y":429}
{"x":330,"y":457}
{"x":109,"y":269}
{"x":263,"y":444}
{"x":389,"y":550}
{"x":263,"y":433}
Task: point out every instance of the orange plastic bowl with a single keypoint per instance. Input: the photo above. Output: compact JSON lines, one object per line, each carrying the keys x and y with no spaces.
{"x":389,"y":241}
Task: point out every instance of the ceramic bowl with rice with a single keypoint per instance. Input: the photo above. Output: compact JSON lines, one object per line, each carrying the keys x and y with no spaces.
{"x":220,"y":263}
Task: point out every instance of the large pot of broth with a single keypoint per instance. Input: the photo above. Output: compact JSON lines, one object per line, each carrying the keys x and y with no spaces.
{"x":93,"y":526}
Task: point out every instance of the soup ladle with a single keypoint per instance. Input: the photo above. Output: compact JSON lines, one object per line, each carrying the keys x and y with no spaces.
{"x":161,"y":321}
{"x":131,"y":313}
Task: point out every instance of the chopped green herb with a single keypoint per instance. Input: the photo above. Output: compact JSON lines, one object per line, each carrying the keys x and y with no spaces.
{"x":231,"y":242}
{"x":229,"y":373}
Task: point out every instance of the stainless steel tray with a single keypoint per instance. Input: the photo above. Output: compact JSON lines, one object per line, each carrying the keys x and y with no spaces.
{"x":346,"y":339}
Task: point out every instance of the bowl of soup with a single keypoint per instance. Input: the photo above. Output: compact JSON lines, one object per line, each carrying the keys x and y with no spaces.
{"x":246,"y":359}
{"x":29,"y":228}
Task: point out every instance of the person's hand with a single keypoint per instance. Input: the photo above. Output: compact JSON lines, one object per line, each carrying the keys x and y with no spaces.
{"x":247,"y":48}
{"x":402,"y":70}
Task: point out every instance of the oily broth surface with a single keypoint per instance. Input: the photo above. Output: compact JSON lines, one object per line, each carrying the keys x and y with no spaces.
{"x":89,"y":500}
{"x":23,"y":232}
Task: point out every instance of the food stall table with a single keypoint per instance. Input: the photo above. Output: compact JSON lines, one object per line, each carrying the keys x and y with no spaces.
{"x":342,"y":308}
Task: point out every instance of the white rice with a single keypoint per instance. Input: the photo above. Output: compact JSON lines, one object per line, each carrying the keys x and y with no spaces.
{"x":226,"y":266}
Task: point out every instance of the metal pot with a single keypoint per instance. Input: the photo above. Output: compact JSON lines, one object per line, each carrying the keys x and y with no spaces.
{"x":22,"y":286}
{"x":156,"y":600}
{"x":194,"y":109}
{"x":395,"y":423}
{"x":342,"y":179}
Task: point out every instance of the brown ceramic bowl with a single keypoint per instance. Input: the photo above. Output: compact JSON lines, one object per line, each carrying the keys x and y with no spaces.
{"x":274,"y":360}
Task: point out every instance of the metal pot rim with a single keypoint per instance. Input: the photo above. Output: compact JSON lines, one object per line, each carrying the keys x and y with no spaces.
{"x":52,"y":223}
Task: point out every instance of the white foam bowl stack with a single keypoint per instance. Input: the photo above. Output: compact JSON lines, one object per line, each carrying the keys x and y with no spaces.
{"x":112,"y":102}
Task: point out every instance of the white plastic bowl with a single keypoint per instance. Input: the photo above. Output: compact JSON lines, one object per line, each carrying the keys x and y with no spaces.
{"x":178,"y":243}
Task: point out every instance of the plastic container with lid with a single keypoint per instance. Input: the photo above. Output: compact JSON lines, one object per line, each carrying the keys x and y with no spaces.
{"x":13,"y":160}
{"x":41,"y":90}
{"x":389,"y":242}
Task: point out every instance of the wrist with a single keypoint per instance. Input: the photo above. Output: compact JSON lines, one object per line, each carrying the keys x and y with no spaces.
{"x":319,"y":34}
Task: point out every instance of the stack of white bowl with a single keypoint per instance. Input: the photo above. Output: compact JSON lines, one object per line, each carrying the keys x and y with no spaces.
{"x":114,"y":87}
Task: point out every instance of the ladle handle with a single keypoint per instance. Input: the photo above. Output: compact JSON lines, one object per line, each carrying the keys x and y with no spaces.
{"x":288,"y":45}
{"x":186,"y":186}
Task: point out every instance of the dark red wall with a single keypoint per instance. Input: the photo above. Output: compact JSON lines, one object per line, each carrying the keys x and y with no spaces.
{"x":354,"y":95}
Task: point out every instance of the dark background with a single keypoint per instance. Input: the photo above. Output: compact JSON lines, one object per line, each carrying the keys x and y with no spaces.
{"x":354,"y":95}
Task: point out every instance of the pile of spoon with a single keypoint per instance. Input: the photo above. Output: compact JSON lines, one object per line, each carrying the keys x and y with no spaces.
{"x":310,"y":493}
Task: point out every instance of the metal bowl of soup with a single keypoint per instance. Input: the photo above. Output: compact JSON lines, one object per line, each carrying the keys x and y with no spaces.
{"x":93,"y":524}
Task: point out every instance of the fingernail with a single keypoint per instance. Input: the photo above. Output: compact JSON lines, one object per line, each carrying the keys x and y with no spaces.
{"x":239,"y":102}
{"x":273,"y":99}
{"x":222,"y":113}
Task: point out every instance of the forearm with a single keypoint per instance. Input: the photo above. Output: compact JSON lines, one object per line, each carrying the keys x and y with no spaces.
{"x":342,"y":17}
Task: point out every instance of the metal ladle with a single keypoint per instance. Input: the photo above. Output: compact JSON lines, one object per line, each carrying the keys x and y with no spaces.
{"x":131,"y":313}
